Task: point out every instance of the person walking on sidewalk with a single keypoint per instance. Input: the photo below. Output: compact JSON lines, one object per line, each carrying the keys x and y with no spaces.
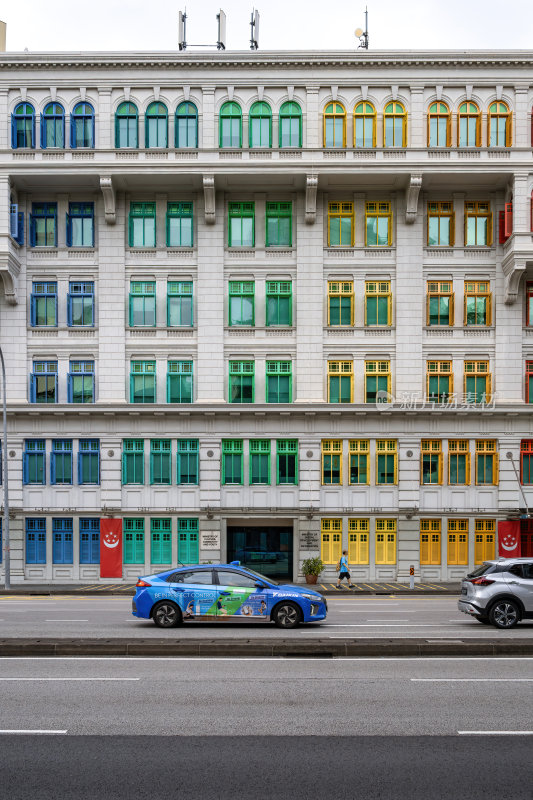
{"x":342,"y":566}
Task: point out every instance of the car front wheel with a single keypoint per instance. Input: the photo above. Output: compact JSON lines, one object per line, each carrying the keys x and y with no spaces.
{"x":166,"y":615}
{"x":287,"y":615}
{"x":504,"y":614}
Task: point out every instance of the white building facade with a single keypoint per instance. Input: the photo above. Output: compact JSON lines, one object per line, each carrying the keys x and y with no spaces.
{"x":266,"y":306}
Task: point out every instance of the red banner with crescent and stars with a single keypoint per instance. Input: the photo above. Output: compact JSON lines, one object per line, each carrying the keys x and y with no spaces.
{"x":509,"y":538}
{"x":111,"y":548}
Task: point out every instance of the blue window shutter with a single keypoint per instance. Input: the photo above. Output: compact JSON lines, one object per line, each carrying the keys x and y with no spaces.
{"x":33,"y":310}
{"x":43,"y":468}
{"x":69,"y":230}
{"x":80,"y":455}
{"x":25,"y":469}
{"x":57,"y":548}
{"x":52,"y":467}
{"x":92,"y":145}
{"x":33,"y":382}
{"x":20,"y":228}
{"x":69,"y":311}
{"x":72,"y":132}
{"x":68,"y":550}
{"x":41,"y":549}
{"x":43,"y":131}
{"x":13,"y":132}
{"x":95,"y":545}
{"x":13,"y":220}
{"x":32,"y":231}
{"x":30,"y":549}
{"x":92,"y":243}
{"x":69,"y":387}
{"x":85,"y":550}
{"x":55,"y":245}
{"x":33,"y":134}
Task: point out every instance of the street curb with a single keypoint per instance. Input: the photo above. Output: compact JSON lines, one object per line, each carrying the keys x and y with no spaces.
{"x":269,"y":648}
{"x":327,"y":592}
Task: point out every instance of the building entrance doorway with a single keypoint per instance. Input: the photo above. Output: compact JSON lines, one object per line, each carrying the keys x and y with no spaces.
{"x":267,"y":549}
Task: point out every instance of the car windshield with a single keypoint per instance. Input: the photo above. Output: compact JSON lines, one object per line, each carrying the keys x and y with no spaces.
{"x":261,"y":577}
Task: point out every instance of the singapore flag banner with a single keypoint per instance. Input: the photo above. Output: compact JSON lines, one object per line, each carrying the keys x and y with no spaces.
{"x":509,"y":538}
{"x":111,"y":548}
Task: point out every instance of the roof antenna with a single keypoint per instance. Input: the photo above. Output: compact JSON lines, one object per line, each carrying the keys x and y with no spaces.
{"x":221,"y":41}
{"x":182,"y":30}
{"x":254,"y":30}
{"x":361,"y":34}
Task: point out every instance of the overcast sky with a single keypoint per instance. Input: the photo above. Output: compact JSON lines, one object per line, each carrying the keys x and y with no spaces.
{"x":292,"y":24}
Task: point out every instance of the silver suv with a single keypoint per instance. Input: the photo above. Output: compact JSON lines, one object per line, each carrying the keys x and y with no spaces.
{"x":499,"y":592}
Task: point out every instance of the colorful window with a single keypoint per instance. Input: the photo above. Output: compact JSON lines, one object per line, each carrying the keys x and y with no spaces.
{"x":378,"y":224}
{"x":279,"y":381}
{"x":160,"y":462}
{"x":499,"y":125}
{"x":133,"y":461}
{"x":127,"y":125}
{"x":331,"y":462}
{"x":394,"y":125}
{"x":287,"y":461}
{"x":241,"y":303}
{"x":385,"y":541}
{"x":23,"y":126}
{"x":89,"y":461}
{"x":44,"y":304}
{"x":440,"y":303}
{"x":259,"y":461}
{"x":89,"y":541}
{"x":82,"y":126}
{"x":34,"y":462}
{"x":431,"y":462}
{"x":187,"y":462}
{"x":430,"y":542}
{"x":377,"y":381}
{"x":340,"y":381}
{"x":188,"y":544}
{"x":478,"y":225}
{"x":230,"y":125}
{"x":43,"y":225}
{"x":160,"y":541}
{"x":179,"y":382}
{"x":478,"y":303}
{"x":526,"y":461}
{"x":290,"y":125}
{"x":378,"y":303}
{"x":529,"y":381}
{"x":241,"y":225}
{"x":477,"y":382}
{"x":486,"y":462}
{"x":358,"y":541}
{"x":232,"y":461}
{"x":457,"y":542}
{"x":80,"y":304}
{"x":439,"y":381}
{"x":179,"y":304}
{"x":340,"y":303}
{"x":142,"y":225}
{"x":458,"y":462}
{"x":134,"y":541}
{"x":81,"y":382}
{"x":469,"y":125}
{"x":279,"y":224}
{"x":53,"y":126}
{"x":340,"y":225}
{"x":179,"y":225}
{"x":331,"y":540}
{"x":43,"y":382}
{"x":359,"y":451}
{"x":439,"y":125}
{"x":35,"y":540}
{"x":142,"y":304}
{"x":334,"y":125}
{"x":386,"y":461}
{"x":364,"y":125}
{"x":142,"y":382}
{"x":62,"y":540}
{"x":156,"y":126}
{"x":80,"y":225}
{"x":186,"y":126}
{"x":241,"y":381}
{"x":260,"y":125}
{"x":441,"y":224}
{"x":485,"y":540}
{"x":278,"y":303}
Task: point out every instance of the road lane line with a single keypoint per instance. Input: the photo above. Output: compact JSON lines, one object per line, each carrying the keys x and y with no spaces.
{"x":70,"y":679}
{"x":472,"y":680}
{"x":385,"y":611}
{"x":495,"y":733}
{"x":378,"y":625}
{"x":32,"y":732}
{"x":66,"y":620}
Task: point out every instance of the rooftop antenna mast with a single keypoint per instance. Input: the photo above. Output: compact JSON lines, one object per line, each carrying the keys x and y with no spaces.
{"x":254,"y":30}
{"x":182,"y":30}
{"x":182,"y":34}
{"x":361,"y":34}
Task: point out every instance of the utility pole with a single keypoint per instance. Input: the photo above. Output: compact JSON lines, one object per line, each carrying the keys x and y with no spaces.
{"x":7,"y":558}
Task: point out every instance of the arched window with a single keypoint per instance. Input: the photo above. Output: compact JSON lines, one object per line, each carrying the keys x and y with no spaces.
{"x":53,"y":126}
{"x":82,"y":126}
{"x":364,"y":125}
{"x":127,"y":125}
{"x":230,"y":125}
{"x":499,"y":125}
{"x":156,"y":126}
{"x":394,"y":125}
{"x":23,"y":126}
{"x":260,"y":125}
{"x":439,"y":127}
{"x":290,"y":125}
{"x":469,"y":125}
{"x":334,"y":125}
{"x":186,"y":132}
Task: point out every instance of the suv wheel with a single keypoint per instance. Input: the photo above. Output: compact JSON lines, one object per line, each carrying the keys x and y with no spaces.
{"x":504,"y":614}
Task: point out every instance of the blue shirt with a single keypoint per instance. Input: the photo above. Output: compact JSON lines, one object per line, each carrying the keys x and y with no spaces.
{"x":344,"y":564}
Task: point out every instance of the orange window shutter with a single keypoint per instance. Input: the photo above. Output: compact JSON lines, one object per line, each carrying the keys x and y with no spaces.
{"x":508,"y":227}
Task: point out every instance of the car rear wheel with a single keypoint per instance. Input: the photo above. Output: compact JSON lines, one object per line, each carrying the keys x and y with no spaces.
{"x":287,"y":615}
{"x":504,"y":614}
{"x":166,"y":615}
{"x":482,"y":619}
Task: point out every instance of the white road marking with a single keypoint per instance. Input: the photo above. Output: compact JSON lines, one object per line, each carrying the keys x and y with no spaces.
{"x":495,"y":733}
{"x":70,"y":679}
{"x":380,"y":625}
{"x":66,"y":620}
{"x":33,"y":732}
{"x":472,"y":680}
{"x":386,"y":611}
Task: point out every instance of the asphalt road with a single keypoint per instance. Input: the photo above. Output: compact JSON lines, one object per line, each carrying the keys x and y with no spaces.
{"x":241,"y":728}
{"x":362,"y":617}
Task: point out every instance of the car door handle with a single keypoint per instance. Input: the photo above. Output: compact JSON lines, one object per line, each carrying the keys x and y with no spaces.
{"x":515,"y":583}
{"x":175,"y":589}
{"x":226,"y":593}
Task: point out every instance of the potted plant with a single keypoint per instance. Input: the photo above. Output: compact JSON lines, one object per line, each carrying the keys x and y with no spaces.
{"x":311,"y":568}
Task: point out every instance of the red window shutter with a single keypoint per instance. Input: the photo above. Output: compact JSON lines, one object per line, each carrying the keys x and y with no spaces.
{"x":501,"y":227}
{"x":508,"y":219}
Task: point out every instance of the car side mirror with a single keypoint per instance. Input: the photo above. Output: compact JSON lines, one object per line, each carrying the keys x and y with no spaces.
{"x":260,"y":585}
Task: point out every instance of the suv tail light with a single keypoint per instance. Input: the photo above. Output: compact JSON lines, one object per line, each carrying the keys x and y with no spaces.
{"x":140,"y":582}
{"x":479,"y":582}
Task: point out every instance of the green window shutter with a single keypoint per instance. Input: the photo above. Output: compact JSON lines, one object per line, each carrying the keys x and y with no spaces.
{"x":134,"y":541}
{"x":180,"y":382}
{"x":187,"y":461}
{"x":287,"y":461}
{"x":161,"y":541}
{"x":241,"y":381}
{"x":278,"y":382}
{"x":160,"y":462}
{"x":260,"y":461}
{"x":133,"y":461}
{"x":278,"y":303}
{"x":232,"y":461}
{"x":188,"y":545}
